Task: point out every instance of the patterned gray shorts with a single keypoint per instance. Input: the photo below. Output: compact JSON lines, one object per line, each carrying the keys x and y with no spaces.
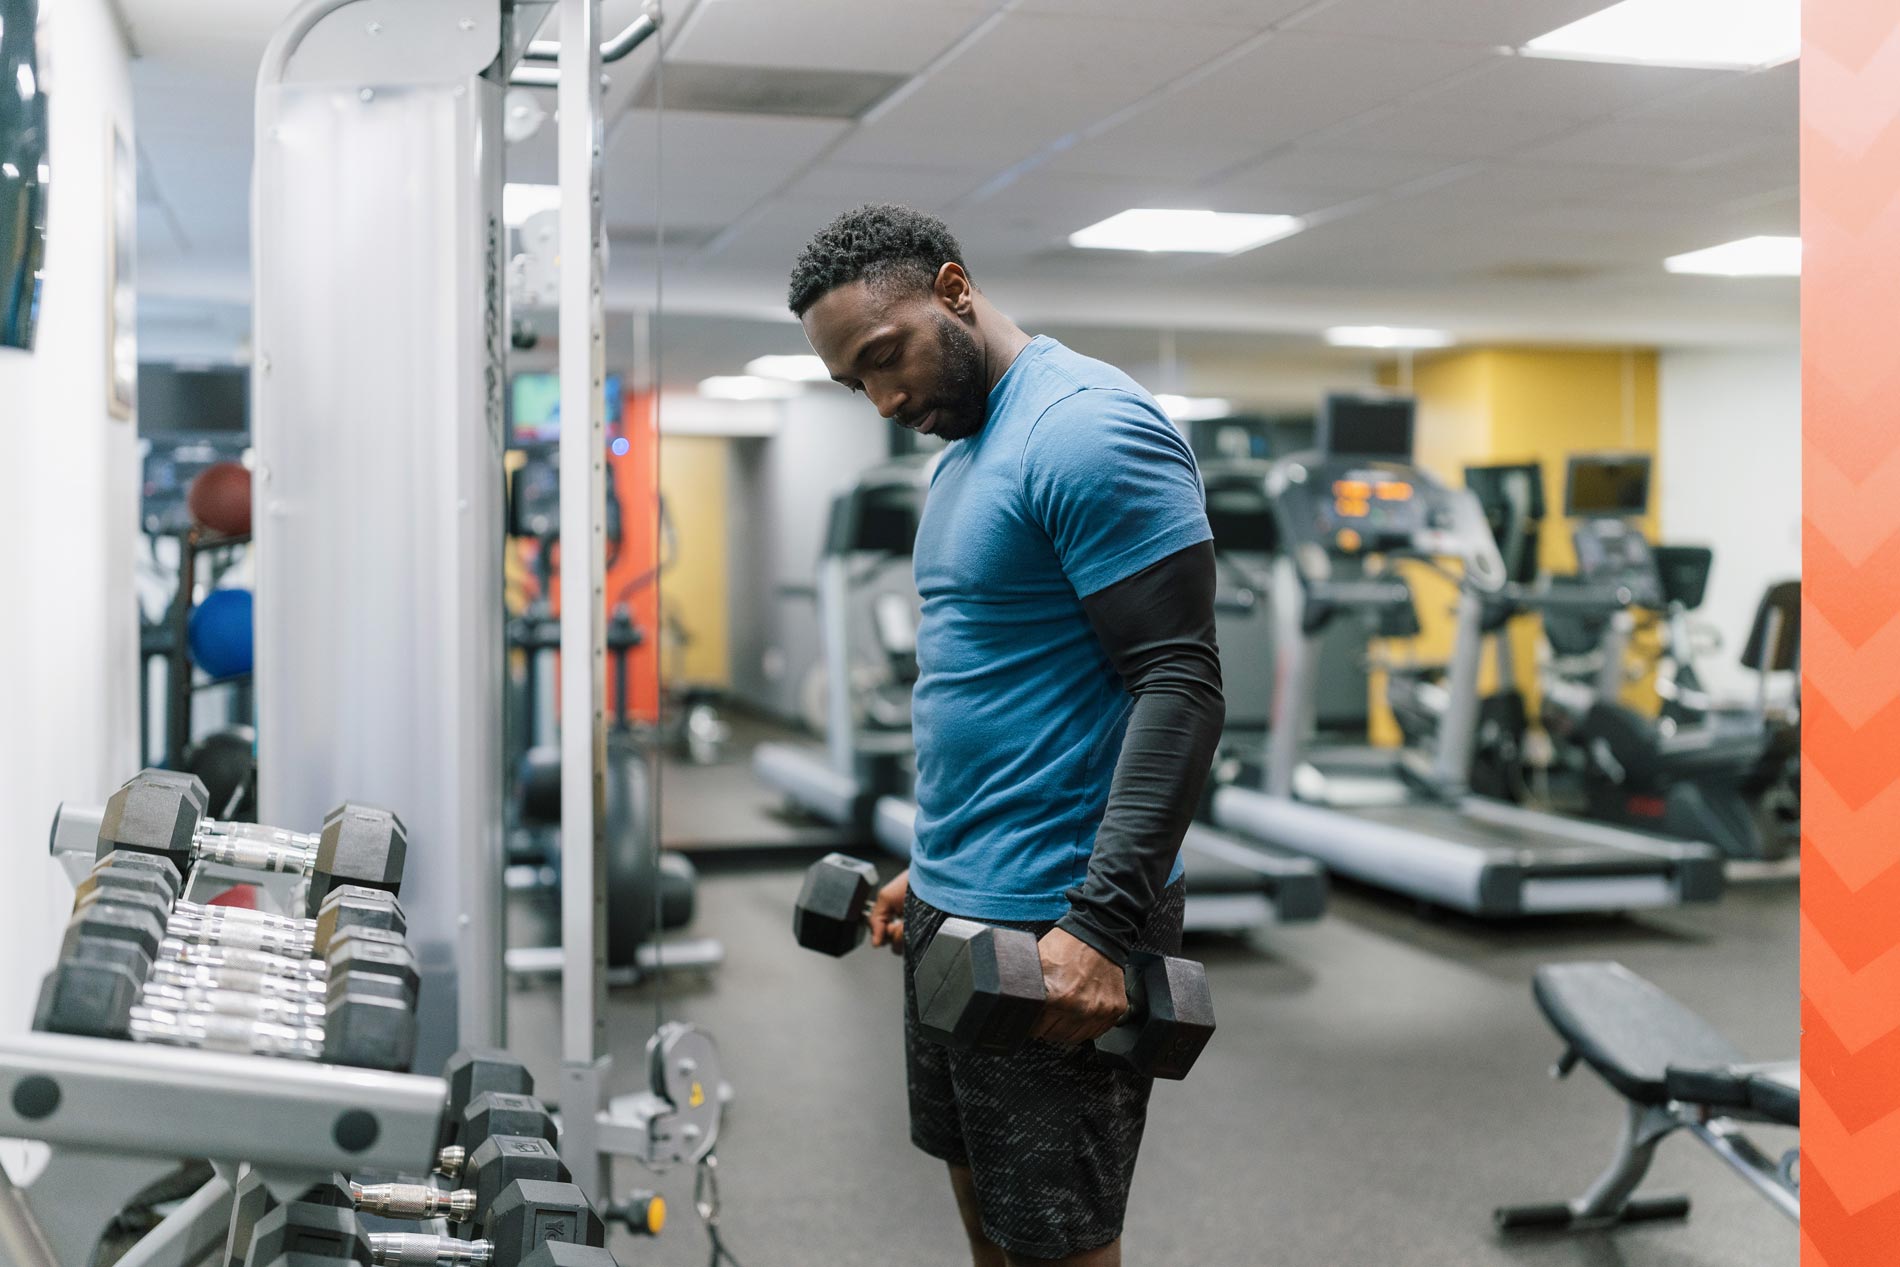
{"x":1049,"y":1133}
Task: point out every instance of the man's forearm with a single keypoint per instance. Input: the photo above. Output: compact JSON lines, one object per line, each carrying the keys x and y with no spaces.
{"x":1158,"y":629}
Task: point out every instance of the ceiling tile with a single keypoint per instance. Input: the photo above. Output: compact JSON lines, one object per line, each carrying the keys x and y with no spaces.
{"x":1576,"y":90}
{"x":850,"y":184}
{"x":899,"y":36}
{"x":1483,"y":22}
{"x":1255,"y":14}
{"x":1763,"y":102}
{"x":1640,"y":142}
{"x":1029,"y":81}
{"x":1426,"y":129}
{"x":1323,"y":167}
{"x":716,"y":165}
{"x":1289,"y":86}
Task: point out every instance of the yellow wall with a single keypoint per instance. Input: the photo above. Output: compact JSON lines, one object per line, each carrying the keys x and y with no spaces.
{"x":1490,"y":405}
{"x":693,"y":588}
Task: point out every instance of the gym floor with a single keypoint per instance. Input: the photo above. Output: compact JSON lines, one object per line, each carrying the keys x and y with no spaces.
{"x":1378,"y":1083}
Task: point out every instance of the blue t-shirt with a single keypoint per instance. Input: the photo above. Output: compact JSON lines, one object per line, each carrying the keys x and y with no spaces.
{"x":1076,"y":481}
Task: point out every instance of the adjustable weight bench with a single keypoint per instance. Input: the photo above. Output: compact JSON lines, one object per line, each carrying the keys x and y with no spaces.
{"x":1674,"y":1071}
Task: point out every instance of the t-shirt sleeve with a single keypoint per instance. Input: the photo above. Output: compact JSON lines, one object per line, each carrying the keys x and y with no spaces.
{"x":1113,"y":484}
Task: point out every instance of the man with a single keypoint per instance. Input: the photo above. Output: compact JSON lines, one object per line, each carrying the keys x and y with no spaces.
{"x":1066,"y":711}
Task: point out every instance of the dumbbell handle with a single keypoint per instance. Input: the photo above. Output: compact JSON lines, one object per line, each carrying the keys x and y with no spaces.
{"x":238,"y":933}
{"x":269,"y":985}
{"x":225,"y":1033}
{"x":212,"y":954}
{"x":254,"y":847}
{"x":413,"y":1201}
{"x":243,"y":915}
{"x":309,"y":1011}
{"x":408,"y":1249}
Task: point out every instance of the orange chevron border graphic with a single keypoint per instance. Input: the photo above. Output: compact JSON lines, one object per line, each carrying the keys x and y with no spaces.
{"x":1850,"y":895}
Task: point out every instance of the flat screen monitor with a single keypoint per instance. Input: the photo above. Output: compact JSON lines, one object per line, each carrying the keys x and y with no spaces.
{"x":534,"y":406}
{"x":1607,"y":486}
{"x":193,"y":399}
{"x":1367,"y":427}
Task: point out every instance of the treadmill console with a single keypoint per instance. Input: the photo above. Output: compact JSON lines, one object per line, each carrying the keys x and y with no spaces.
{"x":1613,"y":552}
{"x":1354,"y":508}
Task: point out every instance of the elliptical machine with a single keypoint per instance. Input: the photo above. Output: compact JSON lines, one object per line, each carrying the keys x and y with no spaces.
{"x":1690,"y":781}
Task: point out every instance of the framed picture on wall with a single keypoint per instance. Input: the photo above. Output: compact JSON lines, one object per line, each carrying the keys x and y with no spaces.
{"x":122,"y":353}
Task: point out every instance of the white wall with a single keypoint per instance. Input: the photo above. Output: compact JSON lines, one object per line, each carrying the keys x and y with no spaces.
{"x":68,"y":478}
{"x":781,"y":493}
{"x":1731,"y":479}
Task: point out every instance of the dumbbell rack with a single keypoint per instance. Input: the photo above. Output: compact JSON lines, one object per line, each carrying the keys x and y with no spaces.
{"x":118,"y":1116}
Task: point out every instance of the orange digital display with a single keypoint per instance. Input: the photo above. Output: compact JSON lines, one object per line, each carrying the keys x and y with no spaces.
{"x":1352,"y":507}
{"x":1351,"y":490}
{"x":1394,"y":491}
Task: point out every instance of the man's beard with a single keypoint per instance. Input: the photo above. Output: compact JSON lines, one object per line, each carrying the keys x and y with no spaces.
{"x":963,"y":402}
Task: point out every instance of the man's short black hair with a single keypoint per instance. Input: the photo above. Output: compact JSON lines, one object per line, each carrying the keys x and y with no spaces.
{"x":879,"y":243}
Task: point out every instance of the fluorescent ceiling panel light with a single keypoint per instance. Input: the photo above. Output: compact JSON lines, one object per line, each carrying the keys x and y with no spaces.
{"x":745,"y":387}
{"x":518,"y":202}
{"x":1721,"y":34}
{"x":795,"y":369}
{"x":1194,"y":408}
{"x":1744,"y":257}
{"x":1387,"y":337}
{"x":1211,"y":232}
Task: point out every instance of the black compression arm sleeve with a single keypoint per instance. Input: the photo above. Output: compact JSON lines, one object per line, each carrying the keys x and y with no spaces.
{"x":1158,"y":629}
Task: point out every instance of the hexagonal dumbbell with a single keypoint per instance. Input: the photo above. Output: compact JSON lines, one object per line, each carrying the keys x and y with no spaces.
{"x":830,"y":916}
{"x":163,"y":812}
{"x":980,"y":988}
{"x":490,"y":1114}
{"x":528,"y":1214}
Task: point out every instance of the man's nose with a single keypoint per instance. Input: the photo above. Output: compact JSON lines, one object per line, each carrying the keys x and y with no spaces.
{"x":891,"y":404}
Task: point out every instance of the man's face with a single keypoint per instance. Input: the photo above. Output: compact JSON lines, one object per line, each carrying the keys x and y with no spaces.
{"x":909,"y":352}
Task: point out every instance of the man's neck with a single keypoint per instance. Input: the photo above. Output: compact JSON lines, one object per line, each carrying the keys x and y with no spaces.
{"x":1002,"y":341}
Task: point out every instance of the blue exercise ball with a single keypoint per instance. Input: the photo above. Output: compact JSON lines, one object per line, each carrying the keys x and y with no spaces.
{"x":220,"y":633}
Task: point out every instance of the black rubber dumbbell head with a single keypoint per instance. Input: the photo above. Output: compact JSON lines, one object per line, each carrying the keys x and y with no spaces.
{"x":829,"y":916}
{"x":531,"y":1212}
{"x":359,"y":844}
{"x":498,"y":1113}
{"x":106,"y":950}
{"x":137,"y":897}
{"x":361,"y":952}
{"x":567,"y":1254}
{"x":118,"y":922}
{"x":979,"y":987}
{"x":306,"y":1234}
{"x":368,"y":1031}
{"x":89,"y":997}
{"x":251,"y":1200}
{"x":471,"y":1071}
{"x":353,"y":906}
{"x":145,"y":871}
{"x":502,"y":1159}
{"x":157,"y":812}
{"x":1170,"y":1018}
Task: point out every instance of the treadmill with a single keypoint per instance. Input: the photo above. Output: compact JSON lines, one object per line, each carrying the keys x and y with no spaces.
{"x":866,"y":597}
{"x":861,"y":779}
{"x":1345,"y":514}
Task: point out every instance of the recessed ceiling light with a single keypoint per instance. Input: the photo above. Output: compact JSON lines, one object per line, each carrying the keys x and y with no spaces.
{"x":1212,"y":232}
{"x":1708,"y":33}
{"x":1744,"y":257}
{"x":1388,"y":337}
{"x":796,"y":369}
{"x":745,"y":387}
{"x":518,"y":202}
{"x":1194,"y":408}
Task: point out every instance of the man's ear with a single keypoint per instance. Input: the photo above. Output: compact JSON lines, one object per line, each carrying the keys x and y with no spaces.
{"x":953,"y":289}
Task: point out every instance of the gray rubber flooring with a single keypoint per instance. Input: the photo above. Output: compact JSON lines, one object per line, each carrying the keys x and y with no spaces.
{"x":1378,"y":1083}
